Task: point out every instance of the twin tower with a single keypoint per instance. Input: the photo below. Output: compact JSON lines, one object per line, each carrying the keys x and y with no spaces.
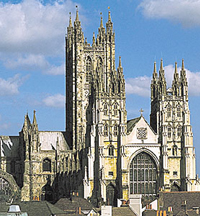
{"x":108,"y":147}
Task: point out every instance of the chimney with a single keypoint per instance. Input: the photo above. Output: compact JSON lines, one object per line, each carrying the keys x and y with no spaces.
{"x":79,"y":210}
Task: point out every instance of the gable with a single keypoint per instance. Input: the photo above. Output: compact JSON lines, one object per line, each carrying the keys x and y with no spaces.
{"x":139,"y":131}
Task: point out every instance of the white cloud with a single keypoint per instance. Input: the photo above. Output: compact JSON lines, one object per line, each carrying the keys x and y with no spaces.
{"x":184,"y":11}
{"x":34,"y":63}
{"x":34,"y":27}
{"x":141,"y":85}
{"x":55,"y":70}
{"x":11,"y":85}
{"x":28,"y":62}
{"x":57,"y":100}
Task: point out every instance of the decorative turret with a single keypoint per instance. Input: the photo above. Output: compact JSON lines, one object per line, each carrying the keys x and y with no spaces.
{"x":34,"y":125}
{"x":175,"y":84}
{"x":162,"y":82}
{"x":101,"y":33}
{"x":183,"y":82}
{"x":109,"y":24}
{"x":154,"y":83}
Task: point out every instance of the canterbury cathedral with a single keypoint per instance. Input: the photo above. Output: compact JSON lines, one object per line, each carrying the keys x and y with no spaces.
{"x":101,"y":155}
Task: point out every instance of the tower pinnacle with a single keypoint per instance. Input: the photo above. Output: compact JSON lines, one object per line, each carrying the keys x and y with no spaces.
{"x":70,"y":20}
{"x":183,"y":67}
{"x":77,"y":18}
{"x":101,"y":24}
{"x":109,"y":17}
{"x":120,"y":62}
{"x":161,"y":65}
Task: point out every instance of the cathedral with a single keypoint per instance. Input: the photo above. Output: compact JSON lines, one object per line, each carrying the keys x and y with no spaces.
{"x":101,"y":155}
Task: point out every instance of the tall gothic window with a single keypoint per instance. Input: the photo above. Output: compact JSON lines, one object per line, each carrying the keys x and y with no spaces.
{"x":115,"y":109}
{"x":88,"y":69}
{"x":105,"y":130}
{"x":105,"y":109}
{"x":179,"y":131}
{"x":46,"y":165}
{"x":143,"y":175}
{"x":169,"y":112}
{"x":169,"y":132}
{"x":111,"y":150}
{"x":178,"y":112}
{"x":115,"y":130}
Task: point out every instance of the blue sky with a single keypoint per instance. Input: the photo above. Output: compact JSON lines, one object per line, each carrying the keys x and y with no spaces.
{"x":32,"y":45}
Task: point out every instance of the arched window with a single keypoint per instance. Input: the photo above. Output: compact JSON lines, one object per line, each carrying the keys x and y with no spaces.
{"x":174,"y":150}
{"x":105,"y":130}
{"x":179,"y":131}
{"x":169,"y":132}
{"x":143,"y":175}
{"x":169,"y":112}
{"x":105,"y":109}
{"x":115,"y":111}
{"x":111,"y":150}
{"x":88,"y":69}
{"x":46,"y":165}
{"x":115,"y":130}
{"x":178,"y":112}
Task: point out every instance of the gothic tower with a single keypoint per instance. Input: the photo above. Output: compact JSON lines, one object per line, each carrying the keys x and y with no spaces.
{"x":95,"y":108}
{"x":170,"y":118}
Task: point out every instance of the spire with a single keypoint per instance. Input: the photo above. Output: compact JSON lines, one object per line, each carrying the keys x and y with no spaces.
{"x":120,"y":62}
{"x":161,"y":65}
{"x":101,"y":24}
{"x":77,"y":18}
{"x":109,"y":17}
{"x":154,"y":69}
{"x":70,"y":20}
{"x":93,"y":40}
{"x":26,"y":122}
{"x":162,"y":81}
{"x":175,"y":67}
{"x":176,"y":77}
{"x":154,"y":72}
{"x":109,"y":24}
{"x":183,"y":67}
{"x":35,"y":125}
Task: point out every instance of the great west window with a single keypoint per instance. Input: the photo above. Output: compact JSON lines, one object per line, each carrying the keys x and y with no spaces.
{"x":143,"y":175}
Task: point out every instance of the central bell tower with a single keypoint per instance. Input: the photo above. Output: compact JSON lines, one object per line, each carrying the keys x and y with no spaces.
{"x":95,"y":108}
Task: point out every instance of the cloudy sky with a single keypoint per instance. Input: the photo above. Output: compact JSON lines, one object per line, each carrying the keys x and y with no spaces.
{"x":32,"y":45}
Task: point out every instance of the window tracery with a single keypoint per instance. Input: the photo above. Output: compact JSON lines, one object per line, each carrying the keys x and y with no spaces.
{"x":143,"y":175}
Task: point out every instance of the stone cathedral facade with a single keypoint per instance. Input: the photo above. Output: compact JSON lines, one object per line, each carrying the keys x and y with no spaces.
{"x":101,"y":155}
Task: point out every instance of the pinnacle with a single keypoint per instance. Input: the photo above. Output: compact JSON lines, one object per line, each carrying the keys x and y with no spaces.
{"x":154,"y":67}
{"x":161,"y":65}
{"x":183,"y":67}
{"x":120,"y":62}
{"x":77,"y":18}
{"x":101,"y":24}
{"x":70,"y":20}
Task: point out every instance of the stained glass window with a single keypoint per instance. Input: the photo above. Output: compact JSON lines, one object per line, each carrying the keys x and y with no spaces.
{"x":143,"y":175}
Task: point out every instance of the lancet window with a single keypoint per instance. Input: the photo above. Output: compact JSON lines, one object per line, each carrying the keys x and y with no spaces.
{"x":111,"y":150}
{"x":88,"y":69}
